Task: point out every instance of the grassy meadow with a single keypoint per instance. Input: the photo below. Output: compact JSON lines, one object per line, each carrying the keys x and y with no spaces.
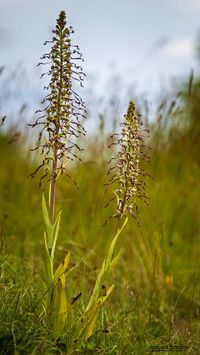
{"x":155,"y":304}
{"x":156,"y":297}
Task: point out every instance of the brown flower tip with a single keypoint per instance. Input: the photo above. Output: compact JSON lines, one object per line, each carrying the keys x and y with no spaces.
{"x":61,"y":21}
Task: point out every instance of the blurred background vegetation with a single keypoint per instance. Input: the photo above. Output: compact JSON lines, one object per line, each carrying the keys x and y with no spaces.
{"x":157,"y":294}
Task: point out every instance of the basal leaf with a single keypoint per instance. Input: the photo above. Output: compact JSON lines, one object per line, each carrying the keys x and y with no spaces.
{"x":61,"y":269}
{"x":88,"y":320}
{"x":58,"y":305}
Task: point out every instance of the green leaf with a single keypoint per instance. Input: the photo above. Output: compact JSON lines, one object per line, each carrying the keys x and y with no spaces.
{"x":89,"y":318}
{"x":61,"y":269}
{"x":57,"y":299}
{"x":115,"y":260}
{"x":97,"y":287}
{"x":46,"y":246}
{"x":58,"y":305}
{"x":111,"y":249}
{"x":48,"y":264}
{"x":107,"y":265}
{"x":55,"y":231}
{"x":48,"y":223}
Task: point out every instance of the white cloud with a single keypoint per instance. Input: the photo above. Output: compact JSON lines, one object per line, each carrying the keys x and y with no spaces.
{"x":179,"y":48}
{"x":8,"y":2}
{"x":187,"y":6}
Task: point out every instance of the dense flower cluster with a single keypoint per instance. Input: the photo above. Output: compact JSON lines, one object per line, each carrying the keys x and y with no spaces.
{"x":61,"y":118}
{"x":126,"y":171}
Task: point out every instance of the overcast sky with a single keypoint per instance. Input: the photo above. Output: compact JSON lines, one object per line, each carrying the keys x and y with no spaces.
{"x":144,"y":40}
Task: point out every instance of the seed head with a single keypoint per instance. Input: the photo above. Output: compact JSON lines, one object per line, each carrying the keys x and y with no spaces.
{"x":60,"y":119}
{"x":126,"y":171}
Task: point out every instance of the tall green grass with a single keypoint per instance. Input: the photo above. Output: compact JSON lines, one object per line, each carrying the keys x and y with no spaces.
{"x":157,"y":296}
